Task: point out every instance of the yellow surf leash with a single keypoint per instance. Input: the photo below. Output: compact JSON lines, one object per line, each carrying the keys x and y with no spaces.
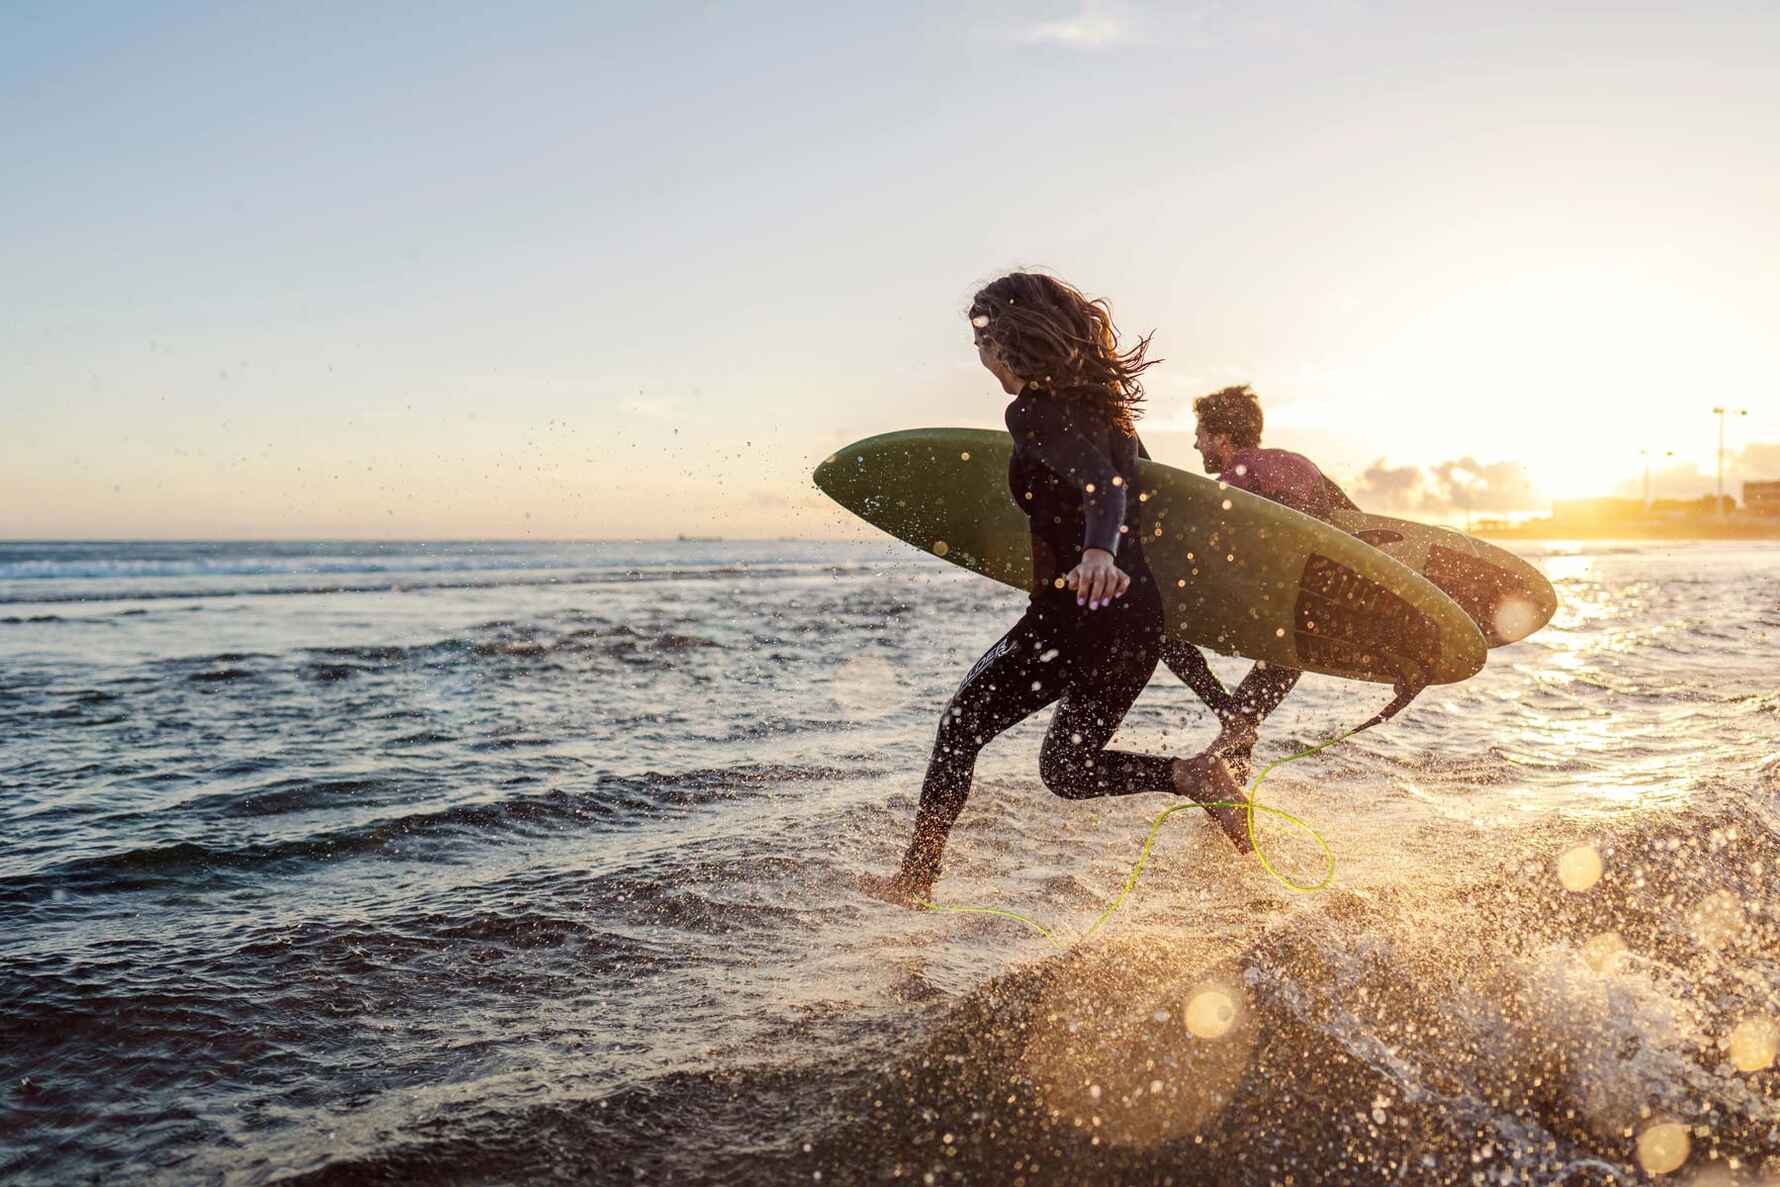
{"x":1250,"y":806}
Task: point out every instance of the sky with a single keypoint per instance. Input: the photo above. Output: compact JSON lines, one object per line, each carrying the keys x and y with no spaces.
{"x":595,"y":270}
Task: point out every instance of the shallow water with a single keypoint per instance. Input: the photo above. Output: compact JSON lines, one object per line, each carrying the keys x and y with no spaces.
{"x":530,"y":862}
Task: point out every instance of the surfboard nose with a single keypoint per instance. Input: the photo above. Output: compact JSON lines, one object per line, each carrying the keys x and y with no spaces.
{"x":842,"y":477}
{"x":824,"y":474}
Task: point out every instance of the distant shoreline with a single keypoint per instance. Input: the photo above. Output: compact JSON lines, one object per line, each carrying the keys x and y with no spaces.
{"x":1545,"y":529}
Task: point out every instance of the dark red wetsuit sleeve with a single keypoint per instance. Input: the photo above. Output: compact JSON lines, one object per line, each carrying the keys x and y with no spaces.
{"x":1284,"y":477}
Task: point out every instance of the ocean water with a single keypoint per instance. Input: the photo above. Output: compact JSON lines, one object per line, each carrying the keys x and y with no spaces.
{"x":524,"y":862}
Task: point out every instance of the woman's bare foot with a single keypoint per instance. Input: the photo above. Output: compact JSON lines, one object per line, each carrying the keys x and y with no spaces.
{"x":1207,"y":781}
{"x":897,"y":889}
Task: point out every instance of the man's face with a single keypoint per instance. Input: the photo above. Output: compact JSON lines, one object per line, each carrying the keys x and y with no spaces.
{"x":1214,"y":448}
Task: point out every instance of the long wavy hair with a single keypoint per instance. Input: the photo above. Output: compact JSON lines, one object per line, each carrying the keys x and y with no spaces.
{"x":1052,"y":334}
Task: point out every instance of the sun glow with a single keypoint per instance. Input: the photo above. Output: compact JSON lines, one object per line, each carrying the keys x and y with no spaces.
{"x":1579,"y":367}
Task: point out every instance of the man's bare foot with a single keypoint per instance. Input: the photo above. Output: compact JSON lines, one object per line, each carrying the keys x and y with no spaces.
{"x":1207,"y":781}
{"x":896,"y":889}
{"x":1241,"y":762}
{"x":1235,"y":744}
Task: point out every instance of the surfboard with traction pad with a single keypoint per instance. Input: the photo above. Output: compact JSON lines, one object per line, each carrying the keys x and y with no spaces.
{"x":1238,"y":573}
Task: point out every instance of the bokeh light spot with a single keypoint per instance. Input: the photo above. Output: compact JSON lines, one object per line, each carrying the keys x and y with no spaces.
{"x":1754,"y":1043}
{"x":866,"y":686}
{"x":1663,"y":1147}
{"x":1717,"y":919}
{"x":1605,"y":952}
{"x":1514,"y":619}
{"x":1210,"y":1014}
{"x":1579,"y":868}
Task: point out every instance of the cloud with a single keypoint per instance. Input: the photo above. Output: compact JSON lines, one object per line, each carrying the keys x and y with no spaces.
{"x":1461,"y":484}
{"x":1392,"y":488}
{"x":1466,"y":484}
{"x":1096,"y":26}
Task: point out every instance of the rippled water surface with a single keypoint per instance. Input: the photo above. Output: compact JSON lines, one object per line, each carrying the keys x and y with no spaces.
{"x":481,"y":863}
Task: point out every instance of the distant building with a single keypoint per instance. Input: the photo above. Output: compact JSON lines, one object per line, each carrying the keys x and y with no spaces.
{"x":1595,"y":509}
{"x":1762,"y":498}
{"x":1704,"y":505}
{"x":1583,"y":512}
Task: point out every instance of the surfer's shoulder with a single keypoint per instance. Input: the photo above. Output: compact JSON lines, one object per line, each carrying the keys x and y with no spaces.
{"x":1263,"y":457}
{"x":1030,"y":410}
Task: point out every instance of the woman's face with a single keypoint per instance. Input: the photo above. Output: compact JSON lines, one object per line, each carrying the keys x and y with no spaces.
{"x":990,"y":354}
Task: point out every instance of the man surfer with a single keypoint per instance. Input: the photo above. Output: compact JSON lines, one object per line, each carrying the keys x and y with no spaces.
{"x":1228,"y":438}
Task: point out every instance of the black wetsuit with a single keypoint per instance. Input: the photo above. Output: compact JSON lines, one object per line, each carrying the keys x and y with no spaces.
{"x":1075,"y":476}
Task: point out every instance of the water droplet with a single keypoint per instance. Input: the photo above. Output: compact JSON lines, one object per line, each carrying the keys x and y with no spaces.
{"x":1605,"y":952}
{"x":1663,"y":1147}
{"x":1717,"y":919}
{"x":1754,"y":1043}
{"x":1211,"y":1014}
{"x":866,"y":686}
{"x":1579,"y":868}
{"x":1514,"y":619}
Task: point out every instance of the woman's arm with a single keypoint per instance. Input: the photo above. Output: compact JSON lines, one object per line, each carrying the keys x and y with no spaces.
{"x":1046,"y":430}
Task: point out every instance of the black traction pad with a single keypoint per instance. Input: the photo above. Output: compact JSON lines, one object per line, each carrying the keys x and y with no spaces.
{"x":1343,"y":619}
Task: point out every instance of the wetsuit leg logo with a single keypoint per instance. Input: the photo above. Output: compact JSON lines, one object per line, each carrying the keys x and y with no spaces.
{"x":994,"y":653}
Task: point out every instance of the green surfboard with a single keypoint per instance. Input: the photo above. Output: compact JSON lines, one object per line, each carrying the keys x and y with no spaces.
{"x":1506,"y":596}
{"x":1239,"y":574}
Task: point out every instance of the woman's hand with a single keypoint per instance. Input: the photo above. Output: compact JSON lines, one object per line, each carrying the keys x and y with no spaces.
{"x":1097,"y":581}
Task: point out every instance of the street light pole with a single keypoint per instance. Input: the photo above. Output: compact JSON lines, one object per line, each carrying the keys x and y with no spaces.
{"x":1645,"y":453}
{"x":1719,"y":505}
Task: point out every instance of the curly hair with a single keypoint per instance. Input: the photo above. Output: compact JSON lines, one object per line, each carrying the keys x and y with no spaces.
{"x":1233,"y":411}
{"x":1050,"y":333}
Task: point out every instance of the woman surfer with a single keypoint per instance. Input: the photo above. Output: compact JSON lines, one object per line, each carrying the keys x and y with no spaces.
{"x":1092,"y":632}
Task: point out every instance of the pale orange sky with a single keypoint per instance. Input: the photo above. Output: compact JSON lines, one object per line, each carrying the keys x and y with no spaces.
{"x":595,"y":275}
